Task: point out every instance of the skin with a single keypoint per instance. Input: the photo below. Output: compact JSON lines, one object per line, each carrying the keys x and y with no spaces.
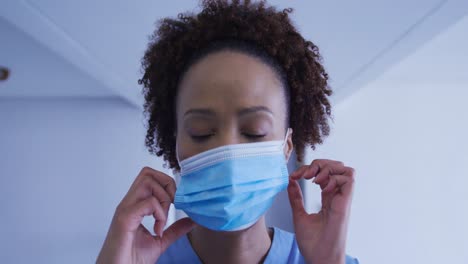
{"x":229,"y":98}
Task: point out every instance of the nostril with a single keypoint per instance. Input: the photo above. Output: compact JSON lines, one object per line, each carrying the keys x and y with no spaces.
{"x":4,"y":73}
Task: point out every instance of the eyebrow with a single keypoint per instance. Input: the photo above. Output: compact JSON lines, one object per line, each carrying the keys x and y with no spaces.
{"x":254,"y":109}
{"x":243,"y":111}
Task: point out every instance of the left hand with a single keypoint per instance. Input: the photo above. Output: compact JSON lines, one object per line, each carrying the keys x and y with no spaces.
{"x":321,"y":236}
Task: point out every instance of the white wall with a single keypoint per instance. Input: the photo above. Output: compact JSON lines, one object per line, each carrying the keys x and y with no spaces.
{"x":64,"y":166}
{"x":406,"y":135}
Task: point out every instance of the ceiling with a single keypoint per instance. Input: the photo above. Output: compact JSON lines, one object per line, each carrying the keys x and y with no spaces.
{"x":89,"y":48}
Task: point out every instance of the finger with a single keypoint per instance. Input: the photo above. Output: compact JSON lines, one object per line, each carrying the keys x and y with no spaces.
{"x":176,"y":230}
{"x":296,"y":199}
{"x":135,"y":193}
{"x":160,"y":218}
{"x":330,"y":168}
{"x":297,"y":174}
{"x":151,"y":206}
{"x":149,"y":187}
{"x":315,"y":167}
{"x":323,"y":183}
{"x":341,"y":183}
{"x":144,"y":172}
{"x":166,"y":181}
{"x":130,"y":218}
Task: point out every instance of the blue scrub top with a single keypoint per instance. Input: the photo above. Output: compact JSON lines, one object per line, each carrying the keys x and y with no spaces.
{"x":283,"y":249}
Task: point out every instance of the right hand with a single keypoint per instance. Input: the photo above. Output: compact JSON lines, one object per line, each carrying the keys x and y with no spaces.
{"x":127,"y":240}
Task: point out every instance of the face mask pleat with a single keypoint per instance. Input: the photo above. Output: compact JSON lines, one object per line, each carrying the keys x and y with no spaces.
{"x":227,"y":219}
{"x":245,"y":171}
{"x":212,"y":156}
{"x":212,"y":194}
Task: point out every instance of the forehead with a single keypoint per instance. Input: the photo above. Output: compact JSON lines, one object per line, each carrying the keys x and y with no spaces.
{"x":228,"y":80}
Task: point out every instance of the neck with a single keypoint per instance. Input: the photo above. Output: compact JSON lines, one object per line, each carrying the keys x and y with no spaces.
{"x":245,"y":246}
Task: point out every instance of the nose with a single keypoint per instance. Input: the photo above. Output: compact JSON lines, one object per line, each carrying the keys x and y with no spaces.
{"x":227,"y":138}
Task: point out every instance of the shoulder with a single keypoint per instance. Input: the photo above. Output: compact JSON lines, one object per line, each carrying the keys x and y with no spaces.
{"x":351,"y":260}
{"x":287,"y":240}
{"x":179,"y":252}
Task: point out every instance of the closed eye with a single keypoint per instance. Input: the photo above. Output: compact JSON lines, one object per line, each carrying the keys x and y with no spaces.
{"x":254,"y":135}
{"x":201,"y":138}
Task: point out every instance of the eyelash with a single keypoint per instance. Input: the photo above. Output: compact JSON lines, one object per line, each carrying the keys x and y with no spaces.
{"x":254,"y":136}
{"x":201,"y":138}
{"x":206,"y":137}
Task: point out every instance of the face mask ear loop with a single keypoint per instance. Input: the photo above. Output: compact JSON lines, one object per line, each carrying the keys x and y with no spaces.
{"x":177,"y":173}
{"x":286,"y":137}
{"x":177,"y":152}
{"x":285,"y":140}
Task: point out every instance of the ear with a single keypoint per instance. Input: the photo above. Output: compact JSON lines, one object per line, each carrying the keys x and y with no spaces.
{"x":288,"y":148}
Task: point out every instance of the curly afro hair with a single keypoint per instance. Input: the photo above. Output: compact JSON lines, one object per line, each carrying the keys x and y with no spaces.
{"x":253,"y":28}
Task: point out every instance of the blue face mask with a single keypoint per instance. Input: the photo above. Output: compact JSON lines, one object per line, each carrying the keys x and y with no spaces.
{"x":229,"y":188}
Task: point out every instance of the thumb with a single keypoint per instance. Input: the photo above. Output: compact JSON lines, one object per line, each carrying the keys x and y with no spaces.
{"x":176,"y":230}
{"x":296,"y":199}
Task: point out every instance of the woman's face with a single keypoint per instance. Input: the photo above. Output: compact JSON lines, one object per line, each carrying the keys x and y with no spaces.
{"x":226,"y":98}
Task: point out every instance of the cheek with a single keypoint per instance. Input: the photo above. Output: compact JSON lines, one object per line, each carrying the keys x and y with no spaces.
{"x":181,"y":148}
{"x":184,"y":147}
